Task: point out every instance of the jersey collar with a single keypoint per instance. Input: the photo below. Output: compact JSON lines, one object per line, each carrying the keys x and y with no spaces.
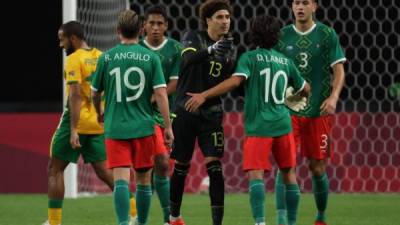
{"x":307,"y":31}
{"x":155,"y":48}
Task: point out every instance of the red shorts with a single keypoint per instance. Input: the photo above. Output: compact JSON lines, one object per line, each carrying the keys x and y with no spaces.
{"x":160,"y":147}
{"x":136,"y":152}
{"x":312,"y":135}
{"x":256,"y":152}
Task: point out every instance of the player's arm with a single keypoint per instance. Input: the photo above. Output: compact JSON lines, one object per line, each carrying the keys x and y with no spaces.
{"x":74,"y":100}
{"x":329,"y":105}
{"x":96,"y":98}
{"x":198,"y":99}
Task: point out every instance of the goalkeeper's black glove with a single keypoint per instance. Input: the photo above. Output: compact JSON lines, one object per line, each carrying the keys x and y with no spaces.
{"x":221,"y":47}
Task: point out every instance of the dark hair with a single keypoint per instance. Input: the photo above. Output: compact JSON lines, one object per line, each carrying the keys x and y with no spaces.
{"x":157,"y":9}
{"x":208,"y":8}
{"x":73,"y":28}
{"x":265,"y":31}
{"x":129,"y":23}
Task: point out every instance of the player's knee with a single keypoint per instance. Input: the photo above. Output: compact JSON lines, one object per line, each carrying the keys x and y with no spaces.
{"x":161,"y":166}
{"x":317,"y":168}
{"x":214,"y":168}
{"x":289,"y":176}
{"x":181,"y":169}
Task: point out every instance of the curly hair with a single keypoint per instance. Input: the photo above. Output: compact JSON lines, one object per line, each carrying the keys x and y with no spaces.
{"x":209,"y":7}
{"x":265,"y":31}
{"x":73,"y":28}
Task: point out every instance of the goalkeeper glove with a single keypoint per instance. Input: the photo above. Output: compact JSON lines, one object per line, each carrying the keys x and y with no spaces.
{"x":221,"y":47}
{"x":295,"y":102}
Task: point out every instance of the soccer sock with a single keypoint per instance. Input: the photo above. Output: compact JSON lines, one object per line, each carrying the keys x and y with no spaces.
{"x":177,"y":187}
{"x":161,"y":184}
{"x":54,"y":211}
{"x":143,"y":200}
{"x":321,"y":190}
{"x":132,"y":202}
{"x":257,"y":200}
{"x":280,"y":199}
{"x":292,"y":194}
{"x":216,"y":191}
{"x":121,"y":201}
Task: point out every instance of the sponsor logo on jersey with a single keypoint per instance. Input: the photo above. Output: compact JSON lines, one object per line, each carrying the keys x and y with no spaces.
{"x":289,"y":48}
{"x":71,"y":73}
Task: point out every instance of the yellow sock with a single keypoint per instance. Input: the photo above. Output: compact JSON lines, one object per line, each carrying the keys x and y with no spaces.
{"x":133,"y":206}
{"x":54,"y":216}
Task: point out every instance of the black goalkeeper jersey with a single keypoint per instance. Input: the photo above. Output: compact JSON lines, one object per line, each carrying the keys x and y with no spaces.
{"x":200,"y":71}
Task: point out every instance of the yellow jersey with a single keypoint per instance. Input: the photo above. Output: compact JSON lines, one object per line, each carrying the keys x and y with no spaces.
{"x":79,"y":67}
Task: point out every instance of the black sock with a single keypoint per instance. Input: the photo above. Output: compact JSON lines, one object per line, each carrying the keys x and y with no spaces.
{"x":176,"y":188}
{"x":217,"y":188}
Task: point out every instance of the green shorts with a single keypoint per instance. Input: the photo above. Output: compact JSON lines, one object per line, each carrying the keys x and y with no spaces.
{"x":92,"y":150}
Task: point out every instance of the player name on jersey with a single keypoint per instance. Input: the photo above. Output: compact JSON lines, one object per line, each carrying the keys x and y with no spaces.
{"x":271,"y":58}
{"x":127,"y":55}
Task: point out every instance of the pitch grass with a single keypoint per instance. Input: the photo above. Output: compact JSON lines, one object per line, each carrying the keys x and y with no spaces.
{"x":344,"y":209}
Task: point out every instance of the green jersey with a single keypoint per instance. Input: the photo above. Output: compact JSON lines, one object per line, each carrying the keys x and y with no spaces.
{"x":170,"y":55}
{"x":128,"y":73}
{"x":313,"y":52}
{"x":268,"y":73}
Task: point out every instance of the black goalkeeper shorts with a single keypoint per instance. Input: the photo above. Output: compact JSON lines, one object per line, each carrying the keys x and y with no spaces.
{"x":206,"y":126}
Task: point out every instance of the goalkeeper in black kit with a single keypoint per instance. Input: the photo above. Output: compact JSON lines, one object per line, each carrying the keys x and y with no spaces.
{"x":207,"y":60}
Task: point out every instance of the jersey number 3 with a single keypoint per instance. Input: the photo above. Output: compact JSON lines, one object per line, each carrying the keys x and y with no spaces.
{"x":118,"y":82}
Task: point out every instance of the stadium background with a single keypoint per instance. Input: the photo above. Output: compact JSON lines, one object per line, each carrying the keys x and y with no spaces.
{"x":367,"y":129}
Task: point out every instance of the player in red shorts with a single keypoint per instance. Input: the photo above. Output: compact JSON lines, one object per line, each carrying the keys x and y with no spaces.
{"x":169,"y":51}
{"x":315,"y":49}
{"x":129,"y":74}
{"x":265,"y":74}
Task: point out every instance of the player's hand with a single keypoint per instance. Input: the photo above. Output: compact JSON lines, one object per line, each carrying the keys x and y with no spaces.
{"x":328,"y":107}
{"x":74,"y":140}
{"x":294,"y":102}
{"x":221,"y":47}
{"x":194,"y":102}
{"x":153,"y":99}
{"x":100,"y":119}
{"x":168,"y":137}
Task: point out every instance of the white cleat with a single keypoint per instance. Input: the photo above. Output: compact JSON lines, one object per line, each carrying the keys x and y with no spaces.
{"x":47,"y":223}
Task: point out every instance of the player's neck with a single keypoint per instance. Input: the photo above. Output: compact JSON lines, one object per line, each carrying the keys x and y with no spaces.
{"x":303,"y":27}
{"x":129,"y":41}
{"x":154,"y":42}
{"x":83,"y":45}
{"x":214,"y":36}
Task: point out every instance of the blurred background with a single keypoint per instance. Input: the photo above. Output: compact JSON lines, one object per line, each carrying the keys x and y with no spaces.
{"x":367,"y":126}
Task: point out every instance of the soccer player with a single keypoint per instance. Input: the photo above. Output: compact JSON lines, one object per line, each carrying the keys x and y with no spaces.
{"x":266,"y":74}
{"x":78,"y":133}
{"x":129,"y":74}
{"x":315,"y":49}
{"x":169,"y":51}
{"x":206,"y":61}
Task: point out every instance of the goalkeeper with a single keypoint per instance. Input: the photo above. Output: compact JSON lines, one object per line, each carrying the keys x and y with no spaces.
{"x":267,"y":122}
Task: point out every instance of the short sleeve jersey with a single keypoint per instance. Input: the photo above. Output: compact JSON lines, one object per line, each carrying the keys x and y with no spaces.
{"x":314,"y":52}
{"x":170,"y":56}
{"x":267,"y":73}
{"x":127,"y":74}
{"x":79,"y":67}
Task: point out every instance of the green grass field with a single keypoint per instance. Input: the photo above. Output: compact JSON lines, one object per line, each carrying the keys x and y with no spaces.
{"x":344,"y":209}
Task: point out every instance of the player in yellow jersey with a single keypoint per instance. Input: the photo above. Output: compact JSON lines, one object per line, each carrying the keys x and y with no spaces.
{"x":78,"y":133}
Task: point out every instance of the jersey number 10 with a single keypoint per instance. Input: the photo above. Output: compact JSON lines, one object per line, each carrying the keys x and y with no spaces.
{"x":271,"y":86}
{"x":118,"y":83}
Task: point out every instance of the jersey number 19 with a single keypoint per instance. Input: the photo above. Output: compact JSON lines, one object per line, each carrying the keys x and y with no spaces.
{"x":118,"y":83}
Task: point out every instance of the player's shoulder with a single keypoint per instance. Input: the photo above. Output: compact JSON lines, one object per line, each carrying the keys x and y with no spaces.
{"x":173,"y":41}
{"x":191,"y":36}
{"x":287,"y":29}
{"x":321,"y":27}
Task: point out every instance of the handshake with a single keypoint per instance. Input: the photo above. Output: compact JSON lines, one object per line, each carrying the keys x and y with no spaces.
{"x":221,"y":47}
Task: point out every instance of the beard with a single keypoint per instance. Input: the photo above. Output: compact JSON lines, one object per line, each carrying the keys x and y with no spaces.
{"x":69,"y":50}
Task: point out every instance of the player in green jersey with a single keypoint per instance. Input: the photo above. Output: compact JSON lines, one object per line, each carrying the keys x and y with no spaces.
{"x":316,"y":51}
{"x":129,"y":74}
{"x":169,"y":51}
{"x":266,"y":74}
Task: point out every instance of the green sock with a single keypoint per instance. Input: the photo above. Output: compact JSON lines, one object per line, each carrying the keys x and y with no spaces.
{"x":280,"y":199}
{"x":121,"y":201}
{"x":161,"y":184}
{"x":257,"y":200}
{"x":292,"y":194}
{"x":143,"y":200}
{"x":321,"y":190}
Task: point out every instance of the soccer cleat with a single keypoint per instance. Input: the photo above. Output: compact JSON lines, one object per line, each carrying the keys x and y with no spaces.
{"x":319,"y":222}
{"x":178,"y":221}
{"x":133,"y":220}
{"x":47,"y":223}
{"x":167,"y":224}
